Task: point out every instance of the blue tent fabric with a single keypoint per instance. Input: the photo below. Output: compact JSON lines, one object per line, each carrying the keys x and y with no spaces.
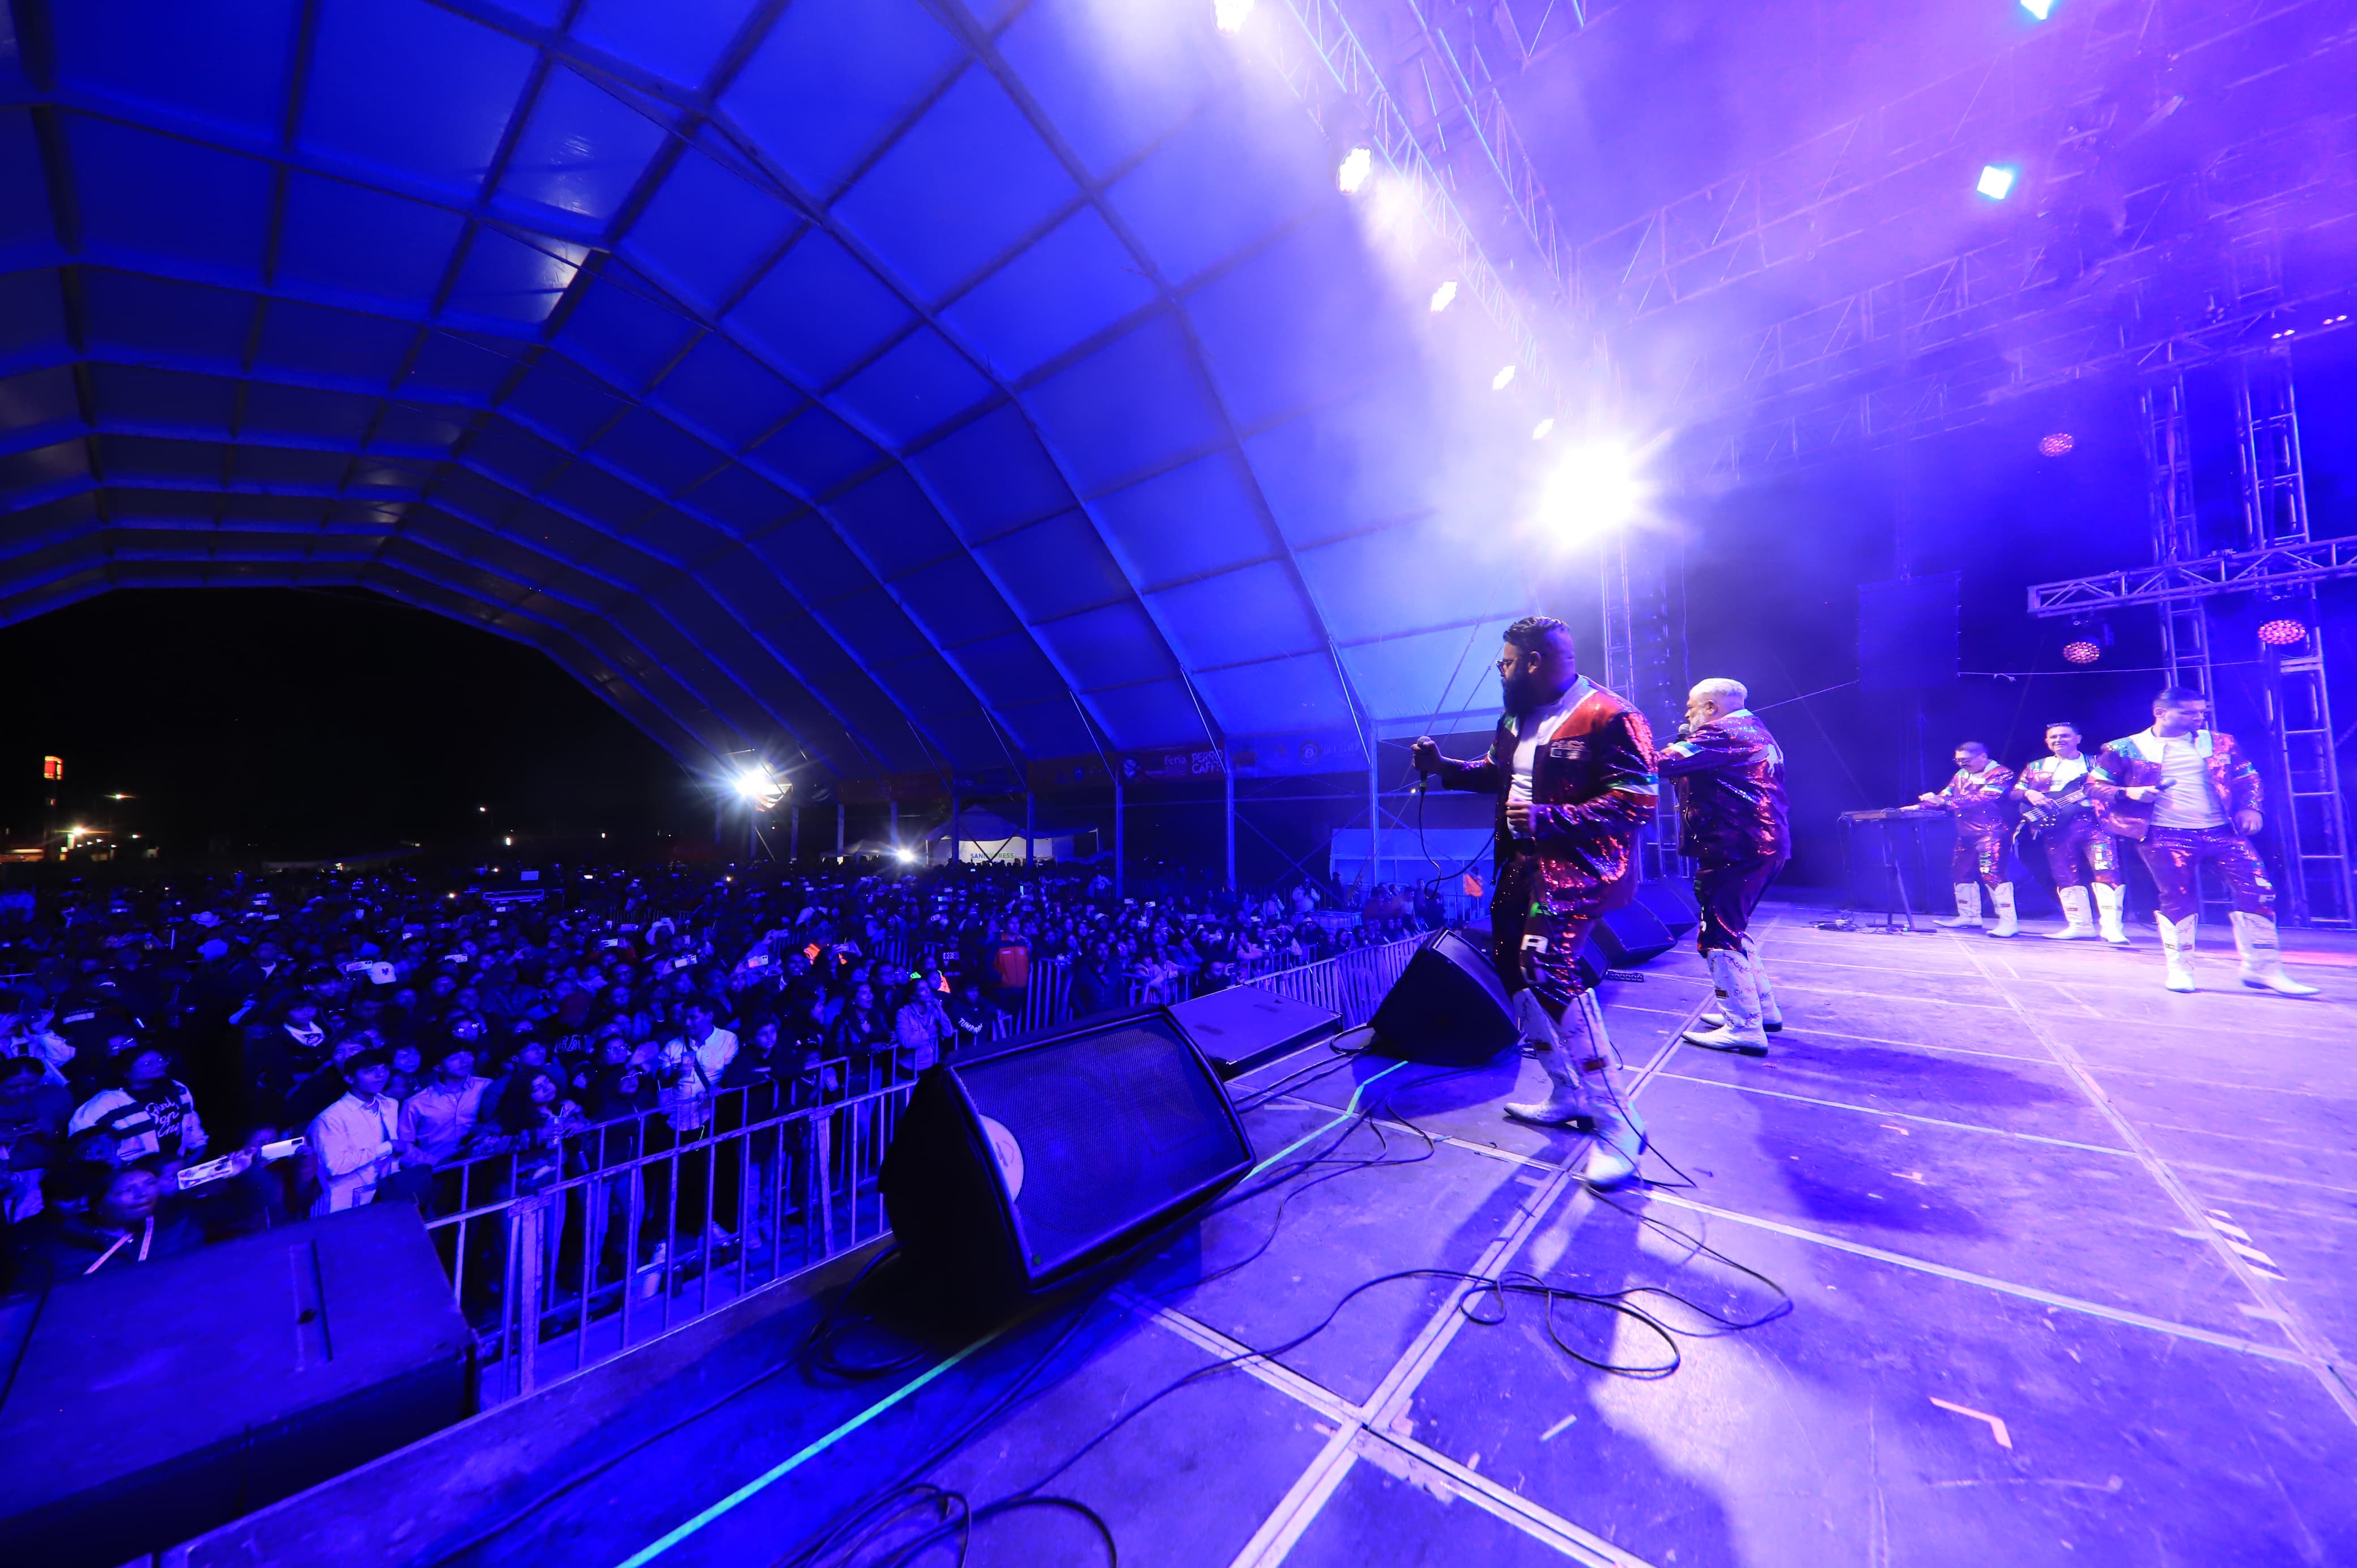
{"x":898,"y":387}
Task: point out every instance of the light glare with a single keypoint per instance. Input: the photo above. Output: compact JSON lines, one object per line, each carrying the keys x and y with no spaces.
{"x":1444,"y":296}
{"x":1357,"y":165}
{"x":2038,"y":8}
{"x":1594,"y":490}
{"x":1232,"y":15}
{"x":1542,"y":429}
{"x":1996,"y":181}
{"x":1502,"y":380}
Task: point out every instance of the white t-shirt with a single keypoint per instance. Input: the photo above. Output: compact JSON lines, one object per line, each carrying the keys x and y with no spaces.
{"x":2186,"y":803}
{"x":2067,"y":772}
{"x":1531,"y":735}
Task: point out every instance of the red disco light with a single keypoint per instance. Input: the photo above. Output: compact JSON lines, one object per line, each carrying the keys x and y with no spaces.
{"x":2081,"y":651}
{"x":2283,"y":633}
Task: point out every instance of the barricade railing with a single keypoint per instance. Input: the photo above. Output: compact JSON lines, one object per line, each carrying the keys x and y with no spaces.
{"x":1352,"y":984}
{"x":564,"y":1257}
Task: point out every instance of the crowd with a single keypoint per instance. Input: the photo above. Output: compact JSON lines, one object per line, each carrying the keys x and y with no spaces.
{"x":197,"y":1060}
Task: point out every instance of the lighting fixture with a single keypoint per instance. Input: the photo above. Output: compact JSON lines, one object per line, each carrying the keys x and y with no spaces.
{"x":2038,"y":8}
{"x":1502,"y":380}
{"x":1444,"y":296}
{"x":2056,"y":444}
{"x":1357,"y":165}
{"x":2081,"y":650}
{"x":1232,"y":15}
{"x":1996,"y":181}
{"x":1540,"y":431}
{"x":2284,"y":631}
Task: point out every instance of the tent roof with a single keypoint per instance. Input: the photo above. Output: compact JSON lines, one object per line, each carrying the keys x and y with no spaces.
{"x":912,"y":387}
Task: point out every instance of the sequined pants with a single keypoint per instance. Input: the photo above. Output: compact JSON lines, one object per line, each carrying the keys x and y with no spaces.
{"x":1727,"y":893}
{"x":2174,"y":856}
{"x":1535,"y":949}
{"x":1980,"y":858}
{"x":2077,"y":840}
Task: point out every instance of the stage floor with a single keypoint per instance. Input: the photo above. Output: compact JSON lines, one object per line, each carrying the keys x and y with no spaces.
{"x":2072,"y":1264}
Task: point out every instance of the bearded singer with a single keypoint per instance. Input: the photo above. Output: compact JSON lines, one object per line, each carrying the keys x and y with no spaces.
{"x":1572,"y":766}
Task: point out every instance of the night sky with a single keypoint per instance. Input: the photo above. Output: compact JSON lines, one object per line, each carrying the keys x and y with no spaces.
{"x":271,"y":720}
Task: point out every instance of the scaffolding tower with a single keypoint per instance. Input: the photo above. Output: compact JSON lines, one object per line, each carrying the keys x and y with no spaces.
{"x":2312,"y":816}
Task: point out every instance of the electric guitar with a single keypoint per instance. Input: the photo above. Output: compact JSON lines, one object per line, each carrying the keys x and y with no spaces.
{"x":2059,"y":810}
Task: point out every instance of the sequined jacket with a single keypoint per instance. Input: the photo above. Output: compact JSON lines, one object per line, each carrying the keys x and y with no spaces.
{"x":1730,"y":780}
{"x":2136,"y":759}
{"x":1978,"y":800}
{"x":1592,"y":790}
{"x":2040,"y":775}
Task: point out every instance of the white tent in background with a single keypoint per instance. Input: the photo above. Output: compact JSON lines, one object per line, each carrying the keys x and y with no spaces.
{"x":986,"y":838}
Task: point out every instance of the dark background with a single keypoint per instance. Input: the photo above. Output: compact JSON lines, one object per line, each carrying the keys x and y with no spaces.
{"x":257,"y":722}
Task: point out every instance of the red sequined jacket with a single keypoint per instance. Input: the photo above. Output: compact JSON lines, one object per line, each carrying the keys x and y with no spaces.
{"x":1730,"y":781}
{"x":2136,"y":759}
{"x":1978,"y":799}
{"x":1592,"y":790}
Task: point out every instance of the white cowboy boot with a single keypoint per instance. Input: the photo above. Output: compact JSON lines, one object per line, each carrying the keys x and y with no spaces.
{"x":2263,"y":970}
{"x":1968,"y":907}
{"x":2078,"y":916}
{"x":1739,"y":1024}
{"x":1567,"y":1101}
{"x":1617,"y":1133}
{"x":1771,"y":1017}
{"x":2109,"y":901}
{"x":2007,"y":926}
{"x":2177,"y":938}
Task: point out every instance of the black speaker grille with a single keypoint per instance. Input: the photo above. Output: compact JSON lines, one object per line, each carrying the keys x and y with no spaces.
{"x":1104,"y":1133}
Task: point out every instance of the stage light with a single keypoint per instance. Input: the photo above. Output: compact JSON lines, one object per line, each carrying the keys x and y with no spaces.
{"x":2056,"y":444}
{"x":1542,"y":429}
{"x":1232,"y":15}
{"x":1502,"y":380}
{"x":1996,"y":181}
{"x":2081,"y":651}
{"x":2283,"y":632}
{"x":2038,"y":8}
{"x":904,"y":853}
{"x":1444,"y":296}
{"x":1357,"y":165}
{"x":1592,"y":491}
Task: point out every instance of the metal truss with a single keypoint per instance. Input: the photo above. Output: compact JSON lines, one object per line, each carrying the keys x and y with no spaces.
{"x":2312,"y":821}
{"x":1453,"y":64}
{"x":2034,"y":306}
{"x":2273,"y":566}
{"x":1335,"y":65}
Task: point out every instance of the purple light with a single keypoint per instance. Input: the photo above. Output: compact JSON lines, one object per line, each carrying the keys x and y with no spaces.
{"x":2081,"y":651}
{"x":2056,"y":444}
{"x":2283,"y":632}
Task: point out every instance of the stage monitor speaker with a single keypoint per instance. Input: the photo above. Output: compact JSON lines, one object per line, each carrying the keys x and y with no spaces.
{"x":1630,"y":937}
{"x":1244,"y":1027}
{"x":1447,"y":1007}
{"x":1012,"y":1172}
{"x":1671,"y":900}
{"x":152,"y":1403}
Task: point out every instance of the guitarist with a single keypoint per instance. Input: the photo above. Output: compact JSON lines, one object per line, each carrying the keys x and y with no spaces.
{"x":2061,"y":818}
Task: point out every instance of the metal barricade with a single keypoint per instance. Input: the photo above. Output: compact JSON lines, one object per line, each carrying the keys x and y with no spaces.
{"x":564,"y":1258}
{"x":564,"y":1261}
{"x":1352,"y":984}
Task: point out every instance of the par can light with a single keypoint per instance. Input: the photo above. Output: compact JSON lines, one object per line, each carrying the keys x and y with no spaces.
{"x":2283,"y":632}
{"x":2081,"y":651}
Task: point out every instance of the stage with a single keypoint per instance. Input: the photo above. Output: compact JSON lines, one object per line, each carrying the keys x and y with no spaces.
{"x":2071,"y":1262}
